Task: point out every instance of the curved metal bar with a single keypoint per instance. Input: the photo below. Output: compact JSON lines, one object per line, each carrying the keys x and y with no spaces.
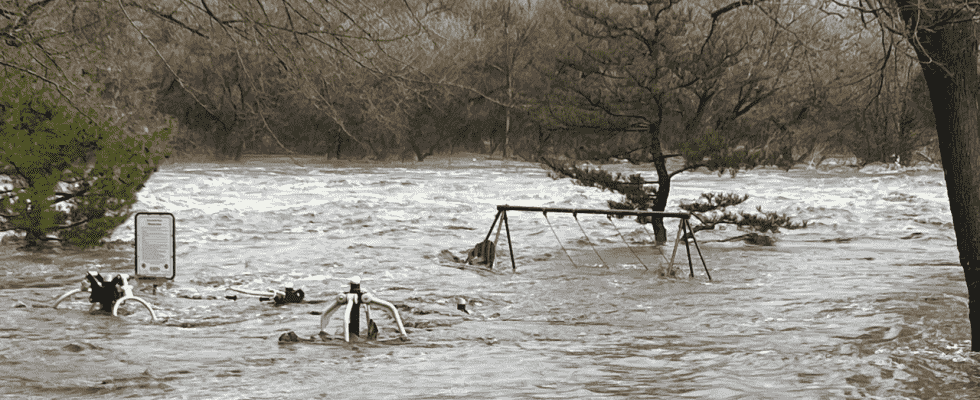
{"x":325,"y":318}
{"x":369,"y":298}
{"x":128,"y":295}
{"x":115,"y":308}
{"x":67,"y":295}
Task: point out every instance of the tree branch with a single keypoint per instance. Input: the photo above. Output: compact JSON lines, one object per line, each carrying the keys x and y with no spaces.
{"x":8,"y":31}
{"x":687,"y":168}
{"x":68,"y":196}
{"x":167,"y":17}
{"x":60,"y":227}
{"x":732,"y":6}
{"x":721,"y":11}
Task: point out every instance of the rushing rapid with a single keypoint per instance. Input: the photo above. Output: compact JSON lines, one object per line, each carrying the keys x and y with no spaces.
{"x":868,"y":301}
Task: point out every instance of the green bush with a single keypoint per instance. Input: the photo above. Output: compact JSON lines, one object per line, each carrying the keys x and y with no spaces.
{"x":66,"y":175}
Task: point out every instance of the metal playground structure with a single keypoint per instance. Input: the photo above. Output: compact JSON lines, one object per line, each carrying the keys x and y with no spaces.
{"x":684,"y":230}
{"x":155,"y":259}
{"x":108,"y":293}
{"x":354,"y":299}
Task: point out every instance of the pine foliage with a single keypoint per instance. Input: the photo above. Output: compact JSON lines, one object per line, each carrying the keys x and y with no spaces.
{"x":65,"y":175}
{"x":637,"y":192}
{"x":711,"y":209}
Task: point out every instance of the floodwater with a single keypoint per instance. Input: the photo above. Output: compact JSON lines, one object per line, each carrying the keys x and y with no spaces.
{"x":867,"y":302}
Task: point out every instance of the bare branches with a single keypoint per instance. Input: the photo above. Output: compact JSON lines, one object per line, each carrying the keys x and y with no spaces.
{"x":21,"y":19}
{"x":169,"y":17}
{"x":730,"y":7}
{"x":722,"y":11}
{"x":162,"y":58}
{"x":31,"y":73}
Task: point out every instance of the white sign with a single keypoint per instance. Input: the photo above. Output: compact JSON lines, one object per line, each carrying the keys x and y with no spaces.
{"x":155,"y":245}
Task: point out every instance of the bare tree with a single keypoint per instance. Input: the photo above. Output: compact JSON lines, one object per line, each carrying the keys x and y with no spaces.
{"x":682,"y":74}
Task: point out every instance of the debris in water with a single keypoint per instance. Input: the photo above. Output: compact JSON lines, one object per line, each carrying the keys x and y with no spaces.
{"x":753,"y":238}
{"x":289,"y":337}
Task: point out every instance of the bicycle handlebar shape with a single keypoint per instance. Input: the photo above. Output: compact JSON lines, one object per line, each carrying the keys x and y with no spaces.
{"x":109,"y":294}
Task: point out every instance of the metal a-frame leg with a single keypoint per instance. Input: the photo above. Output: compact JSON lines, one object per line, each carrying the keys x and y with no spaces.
{"x":698,"y":248}
{"x":510,"y":246}
{"x":495,"y":218}
{"x":677,"y":241}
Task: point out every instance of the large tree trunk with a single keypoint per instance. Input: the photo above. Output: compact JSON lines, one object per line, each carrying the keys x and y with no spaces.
{"x":945,"y":40}
{"x":663,"y":181}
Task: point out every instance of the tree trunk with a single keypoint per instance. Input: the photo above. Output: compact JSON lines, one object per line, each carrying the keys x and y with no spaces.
{"x":663,"y":181}
{"x":510,"y":79}
{"x":33,"y":238}
{"x":35,"y":233}
{"x":507,"y":130}
{"x":947,"y":53}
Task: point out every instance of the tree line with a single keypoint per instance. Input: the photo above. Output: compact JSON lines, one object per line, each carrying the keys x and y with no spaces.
{"x":587,"y":80}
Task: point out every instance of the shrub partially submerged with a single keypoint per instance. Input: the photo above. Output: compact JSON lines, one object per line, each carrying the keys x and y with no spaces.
{"x":66,"y":176}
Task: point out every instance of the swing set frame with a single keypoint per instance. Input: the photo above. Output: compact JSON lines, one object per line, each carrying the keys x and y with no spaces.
{"x":684,"y":228}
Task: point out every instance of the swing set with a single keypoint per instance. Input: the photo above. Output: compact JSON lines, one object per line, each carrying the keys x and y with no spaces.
{"x":684,"y":228}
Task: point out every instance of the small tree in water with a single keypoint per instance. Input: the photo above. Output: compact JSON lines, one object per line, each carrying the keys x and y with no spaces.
{"x":709,"y":210}
{"x":66,"y":176}
{"x":708,"y":150}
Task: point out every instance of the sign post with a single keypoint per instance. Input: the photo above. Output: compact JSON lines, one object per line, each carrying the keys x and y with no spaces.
{"x":155,"y":245}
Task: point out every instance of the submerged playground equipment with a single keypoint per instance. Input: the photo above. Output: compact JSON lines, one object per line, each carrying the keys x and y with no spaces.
{"x":279,"y":297}
{"x":109,"y":294}
{"x":353,"y":299}
{"x":155,"y":258}
{"x":683,"y":231}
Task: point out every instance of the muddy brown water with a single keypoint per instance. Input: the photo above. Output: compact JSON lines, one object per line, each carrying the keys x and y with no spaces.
{"x":867,"y":302}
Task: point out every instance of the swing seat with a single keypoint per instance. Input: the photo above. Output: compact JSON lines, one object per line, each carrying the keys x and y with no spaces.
{"x":483,"y":253}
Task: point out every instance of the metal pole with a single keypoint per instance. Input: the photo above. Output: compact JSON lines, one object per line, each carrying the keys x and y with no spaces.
{"x":347,"y":318}
{"x":699,"y":251}
{"x":496,"y":240}
{"x":690,"y":262}
{"x":354,"y":307}
{"x":492,"y":224}
{"x":593,"y":211}
{"x":670,"y":267}
{"x":510,"y":246}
